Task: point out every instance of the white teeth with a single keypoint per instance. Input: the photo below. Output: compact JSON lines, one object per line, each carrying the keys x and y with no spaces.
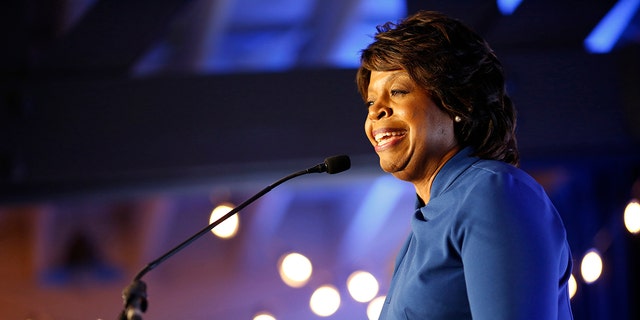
{"x":381,"y":136}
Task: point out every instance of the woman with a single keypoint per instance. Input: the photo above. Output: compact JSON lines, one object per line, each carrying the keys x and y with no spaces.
{"x":485,"y":241}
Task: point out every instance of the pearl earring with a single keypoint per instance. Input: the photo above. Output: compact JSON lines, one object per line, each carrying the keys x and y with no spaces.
{"x":457,"y":119}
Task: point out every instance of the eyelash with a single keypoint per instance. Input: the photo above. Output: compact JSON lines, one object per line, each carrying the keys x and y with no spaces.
{"x":394,"y":92}
{"x":397,"y":92}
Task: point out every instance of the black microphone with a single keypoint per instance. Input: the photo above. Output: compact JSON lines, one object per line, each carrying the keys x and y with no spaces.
{"x":331,"y":165}
{"x":135,"y":295}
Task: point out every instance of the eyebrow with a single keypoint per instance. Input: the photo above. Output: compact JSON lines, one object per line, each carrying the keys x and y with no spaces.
{"x":396,"y":74}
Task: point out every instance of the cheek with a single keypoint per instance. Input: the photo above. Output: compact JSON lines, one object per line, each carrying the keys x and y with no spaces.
{"x":367,"y":127}
{"x":434,"y":128}
{"x":443,"y":130}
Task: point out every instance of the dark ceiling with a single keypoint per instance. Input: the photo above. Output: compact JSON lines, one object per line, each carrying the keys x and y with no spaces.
{"x":133,"y":97}
{"x":97,"y":94}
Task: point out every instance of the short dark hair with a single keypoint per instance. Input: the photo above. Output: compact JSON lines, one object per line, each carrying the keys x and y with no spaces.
{"x":459,"y":71}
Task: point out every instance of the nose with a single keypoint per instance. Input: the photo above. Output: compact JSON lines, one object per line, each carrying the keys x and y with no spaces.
{"x":379,"y":111}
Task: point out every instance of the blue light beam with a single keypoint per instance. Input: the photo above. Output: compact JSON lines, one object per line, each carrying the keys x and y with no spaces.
{"x":605,"y":35}
{"x":507,"y":7}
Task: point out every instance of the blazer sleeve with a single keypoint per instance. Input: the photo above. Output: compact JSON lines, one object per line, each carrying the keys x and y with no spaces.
{"x":513,"y":246}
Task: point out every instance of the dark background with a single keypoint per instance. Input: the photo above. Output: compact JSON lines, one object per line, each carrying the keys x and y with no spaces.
{"x":103,"y":154}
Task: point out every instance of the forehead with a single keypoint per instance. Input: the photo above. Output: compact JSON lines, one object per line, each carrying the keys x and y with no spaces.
{"x":380,"y":79}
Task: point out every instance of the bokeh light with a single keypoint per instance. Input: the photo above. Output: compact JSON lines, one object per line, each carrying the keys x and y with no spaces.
{"x":264,"y":316}
{"x":573,"y":286}
{"x":295,"y":269}
{"x":375,"y":308}
{"x":325,"y":301}
{"x":362,"y":286}
{"x":591,"y":267}
{"x":229,"y":227}
{"x":632,"y":216}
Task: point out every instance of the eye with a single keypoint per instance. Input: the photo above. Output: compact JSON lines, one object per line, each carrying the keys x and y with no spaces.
{"x":369,"y":103}
{"x":398,"y":92}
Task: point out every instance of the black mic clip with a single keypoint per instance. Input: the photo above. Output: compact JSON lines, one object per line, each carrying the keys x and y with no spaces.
{"x":135,"y":301}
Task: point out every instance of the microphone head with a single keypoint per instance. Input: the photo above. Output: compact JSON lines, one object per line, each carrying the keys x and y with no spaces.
{"x":337,"y":164}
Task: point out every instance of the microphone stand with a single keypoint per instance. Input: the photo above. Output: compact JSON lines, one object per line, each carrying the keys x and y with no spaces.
{"x":135,"y":295}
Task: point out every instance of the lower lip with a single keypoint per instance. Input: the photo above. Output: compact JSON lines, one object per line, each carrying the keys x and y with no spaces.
{"x":389,"y":143}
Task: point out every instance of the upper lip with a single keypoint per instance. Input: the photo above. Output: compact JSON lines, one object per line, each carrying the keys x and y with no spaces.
{"x":382,"y":133}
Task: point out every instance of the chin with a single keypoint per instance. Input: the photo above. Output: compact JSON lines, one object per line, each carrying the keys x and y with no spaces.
{"x":391,"y":167}
{"x":402,"y":175}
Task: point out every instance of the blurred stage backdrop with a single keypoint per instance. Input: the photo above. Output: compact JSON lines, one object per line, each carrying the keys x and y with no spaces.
{"x":125,"y":123}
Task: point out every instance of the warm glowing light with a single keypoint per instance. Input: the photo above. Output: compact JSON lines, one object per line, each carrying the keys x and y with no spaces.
{"x":591,"y":267}
{"x":632,"y":216}
{"x":375,"y":308}
{"x":362,"y":286}
{"x":295,"y":270}
{"x":229,"y":227}
{"x":573,"y":286}
{"x":325,"y":301}
{"x":264,"y":316}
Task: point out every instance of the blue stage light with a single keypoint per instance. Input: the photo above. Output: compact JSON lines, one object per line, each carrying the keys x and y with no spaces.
{"x":605,"y":35}
{"x":507,"y":7}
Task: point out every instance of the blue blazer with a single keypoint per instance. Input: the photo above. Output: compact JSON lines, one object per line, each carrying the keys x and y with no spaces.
{"x":489,"y":245}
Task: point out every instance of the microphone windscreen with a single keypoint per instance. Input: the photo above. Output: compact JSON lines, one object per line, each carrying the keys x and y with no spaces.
{"x":337,"y":164}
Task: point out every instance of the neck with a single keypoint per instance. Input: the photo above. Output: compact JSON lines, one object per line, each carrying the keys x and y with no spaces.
{"x":423,"y":186}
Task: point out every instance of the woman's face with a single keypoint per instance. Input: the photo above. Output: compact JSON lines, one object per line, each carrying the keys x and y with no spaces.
{"x":408,"y":131}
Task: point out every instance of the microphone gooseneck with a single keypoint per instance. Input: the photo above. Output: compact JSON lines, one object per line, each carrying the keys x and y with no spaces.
{"x":134,"y":295}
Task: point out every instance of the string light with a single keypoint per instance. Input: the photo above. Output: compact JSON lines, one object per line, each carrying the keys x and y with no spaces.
{"x":375,"y":307}
{"x":295,"y":269}
{"x":573,"y":286}
{"x":325,"y":301}
{"x":264,"y":316}
{"x":229,"y":227}
{"x":362,"y":286}
{"x":591,"y":267}
{"x":632,"y":216}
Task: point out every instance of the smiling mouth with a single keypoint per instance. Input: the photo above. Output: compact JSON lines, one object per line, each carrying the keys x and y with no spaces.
{"x":386,"y":137}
